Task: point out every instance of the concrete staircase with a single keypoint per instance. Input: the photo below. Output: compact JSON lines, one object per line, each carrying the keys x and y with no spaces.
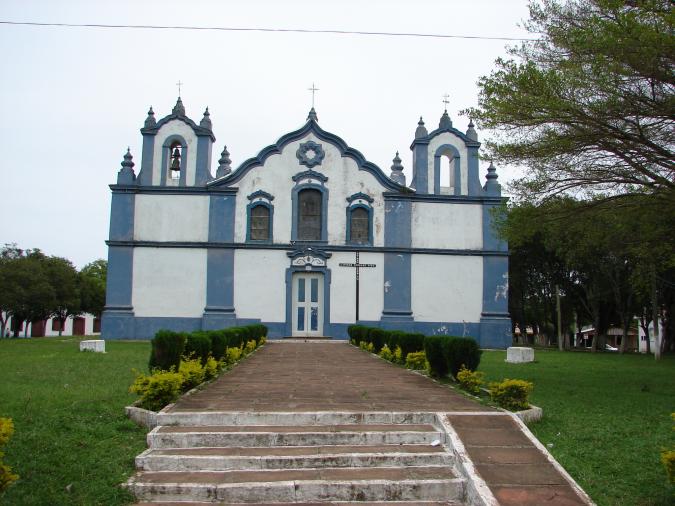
{"x":299,"y":458}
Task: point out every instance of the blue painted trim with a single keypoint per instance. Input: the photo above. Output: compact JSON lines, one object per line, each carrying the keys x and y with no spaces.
{"x":420,"y":179}
{"x":198,"y":130}
{"x":147,"y":326}
{"x":491,"y":240}
{"x":172,"y":190}
{"x":348,"y":237}
{"x":301,"y":154}
{"x":467,"y":141}
{"x":448,"y":199}
{"x":314,"y":128}
{"x":118,"y":324}
{"x":309,"y":174}
{"x":166,"y":148}
{"x":122,"y":212}
{"x":397,"y":223}
{"x":260,"y":194}
{"x":289,"y":295}
{"x":495,"y":332}
{"x":203,"y":164}
{"x":221,"y":218}
{"x":473,"y":176}
{"x":360,"y":196}
{"x":457,"y":172}
{"x":287,"y":246}
{"x":120,"y":277}
{"x":324,"y":210}
{"x":397,"y":287}
{"x":249,"y":208}
{"x":219,"y":289}
{"x":495,"y":286}
{"x":309,"y":251}
{"x":148,"y":154}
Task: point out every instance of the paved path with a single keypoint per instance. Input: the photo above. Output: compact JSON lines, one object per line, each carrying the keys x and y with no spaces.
{"x":323,"y":376}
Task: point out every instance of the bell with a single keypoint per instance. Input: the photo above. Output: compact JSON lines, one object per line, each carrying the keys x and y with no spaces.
{"x":175,"y":160}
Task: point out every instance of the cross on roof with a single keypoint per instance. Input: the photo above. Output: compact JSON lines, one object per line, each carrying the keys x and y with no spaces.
{"x":179,"y":84}
{"x":312,"y":89}
{"x":446,"y":101}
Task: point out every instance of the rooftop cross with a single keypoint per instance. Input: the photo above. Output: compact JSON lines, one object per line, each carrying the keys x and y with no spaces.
{"x":312,"y":89}
{"x":446,"y":101}
{"x":179,"y":84}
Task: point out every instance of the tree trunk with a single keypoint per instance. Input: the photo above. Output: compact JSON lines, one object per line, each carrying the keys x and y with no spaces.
{"x":561,"y":345}
{"x":655,"y":317}
{"x":644,"y":323}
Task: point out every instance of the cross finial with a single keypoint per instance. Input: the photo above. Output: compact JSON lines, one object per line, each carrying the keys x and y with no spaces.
{"x":179,"y":84}
{"x":446,"y":101}
{"x":312,"y":89}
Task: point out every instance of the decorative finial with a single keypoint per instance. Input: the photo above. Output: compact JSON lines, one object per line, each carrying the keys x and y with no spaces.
{"x":179,"y":84}
{"x":445,"y":122}
{"x":179,"y":108}
{"x":224,"y":164}
{"x":446,"y":101}
{"x":312,"y":115}
{"x":313,"y":89}
{"x":128,"y":159}
{"x":471,"y":131}
{"x":397,"y":174}
{"x":492,"y":187}
{"x":421,"y":130}
{"x":150,"y":120}
{"x":126,"y":175}
{"x":206,"y":120}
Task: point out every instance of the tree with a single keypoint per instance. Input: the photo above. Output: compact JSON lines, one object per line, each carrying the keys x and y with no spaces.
{"x":588,"y":106}
{"x":62,"y":276}
{"x":92,"y":283}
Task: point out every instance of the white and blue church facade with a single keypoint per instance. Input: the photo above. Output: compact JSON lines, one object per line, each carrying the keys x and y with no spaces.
{"x":272,"y":241}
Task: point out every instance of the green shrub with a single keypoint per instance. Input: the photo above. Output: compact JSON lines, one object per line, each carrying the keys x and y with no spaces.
{"x":411,"y":342}
{"x":158,"y":389}
{"x":378,"y":337}
{"x":386,"y":353}
{"x":257,"y":331}
{"x":211,"y":368}
{"x":511,"y":394}
{"x":167,"y":348}
{"x":218,"y":343}
{"x":470,"y":381}
{"x":398,"y":355}
{"x":250,"y":347}
{"x":416,"y":360}
{"x":233,"y":355}
{"x":199,"y":345}
{"x":192,"y":371}
{"x":436,"y":350}
{"x":393,"y":338}
{"x":6,"y":475}
{"x":462,"y":351}
{"x":668,"y":461}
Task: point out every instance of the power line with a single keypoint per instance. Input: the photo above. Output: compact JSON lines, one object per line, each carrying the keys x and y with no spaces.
{"x":262,"y":29}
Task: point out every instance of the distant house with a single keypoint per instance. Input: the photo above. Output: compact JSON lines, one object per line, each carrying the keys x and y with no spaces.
{"x":83,"y":325}
{"x":614,"y":335}
{"x":643,"y":338}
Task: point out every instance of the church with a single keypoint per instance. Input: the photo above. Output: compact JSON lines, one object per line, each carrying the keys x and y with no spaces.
{"x":307,"y":237}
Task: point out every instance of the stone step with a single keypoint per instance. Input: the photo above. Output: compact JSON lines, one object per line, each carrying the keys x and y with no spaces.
{"x":191,"y":418}
{"x":291,"y":457}
{"x":336,"y":503}
{"x":429,"y":483}
{"x":261,"y":436}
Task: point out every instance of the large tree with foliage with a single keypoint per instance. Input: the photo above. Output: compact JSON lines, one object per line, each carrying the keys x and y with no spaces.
{"x":63,"y":278}
{"x":92,"y":282}
{"x":588,"y":105}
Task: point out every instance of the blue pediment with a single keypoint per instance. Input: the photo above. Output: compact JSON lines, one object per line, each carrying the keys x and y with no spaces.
{"x":310,"y":127}
{"x":199,"y":131}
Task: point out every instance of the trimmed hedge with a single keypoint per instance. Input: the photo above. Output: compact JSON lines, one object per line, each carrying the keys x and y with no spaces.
{"x":199,"y":344}
{"x":435,"y":348}
{"x":463,"y":351}
{"x":167,"y":349}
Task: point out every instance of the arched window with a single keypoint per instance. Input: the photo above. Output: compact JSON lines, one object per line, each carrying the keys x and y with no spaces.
{"x":175,"y":160}
{"x":447,"y":176}
{"x":259,"y":223}
{"x":309,"y":215}
{"x":359,"y":225}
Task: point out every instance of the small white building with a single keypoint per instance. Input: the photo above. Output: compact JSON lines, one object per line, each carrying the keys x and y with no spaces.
{"x":82,"y":325}
{"x":272,"y":241}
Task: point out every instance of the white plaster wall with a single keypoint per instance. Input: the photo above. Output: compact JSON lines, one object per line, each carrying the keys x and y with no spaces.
{"x":447,"y":288}
{"x":260,"y":284}
{"x":448,"y":138}
{"x":447,"y":226}
{"x":169,"y":282}
{"x":343,"y":287}
{"x":344,"y":179}
{"x":171,"y":218}
{"x":175,"y":127}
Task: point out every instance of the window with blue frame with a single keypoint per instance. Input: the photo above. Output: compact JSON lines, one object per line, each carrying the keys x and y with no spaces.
{"x":259,"y":224}
{"x":359,"y":226}
{"x":309,"y":215}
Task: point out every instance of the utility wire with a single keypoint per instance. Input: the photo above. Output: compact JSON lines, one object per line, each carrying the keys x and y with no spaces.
{"x":262,"y":29}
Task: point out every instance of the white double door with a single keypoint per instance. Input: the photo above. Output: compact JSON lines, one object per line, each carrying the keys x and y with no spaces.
{"x":307,"y":304}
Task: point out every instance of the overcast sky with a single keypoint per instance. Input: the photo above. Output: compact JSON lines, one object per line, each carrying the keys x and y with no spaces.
{"x":75,"y":98}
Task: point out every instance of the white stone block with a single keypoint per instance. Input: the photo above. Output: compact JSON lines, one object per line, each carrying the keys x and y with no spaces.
{"x":97,"y":345}
{"x":519,"y":354}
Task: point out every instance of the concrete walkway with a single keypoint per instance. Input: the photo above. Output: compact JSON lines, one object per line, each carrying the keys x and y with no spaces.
{"x":289,"y":378}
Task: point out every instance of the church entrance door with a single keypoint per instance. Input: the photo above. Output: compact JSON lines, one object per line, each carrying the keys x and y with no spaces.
{"x":307,"y":304}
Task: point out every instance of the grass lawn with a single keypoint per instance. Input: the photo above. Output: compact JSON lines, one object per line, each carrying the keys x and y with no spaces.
{"x":606,"y":417}
{"x":70,"y":427}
